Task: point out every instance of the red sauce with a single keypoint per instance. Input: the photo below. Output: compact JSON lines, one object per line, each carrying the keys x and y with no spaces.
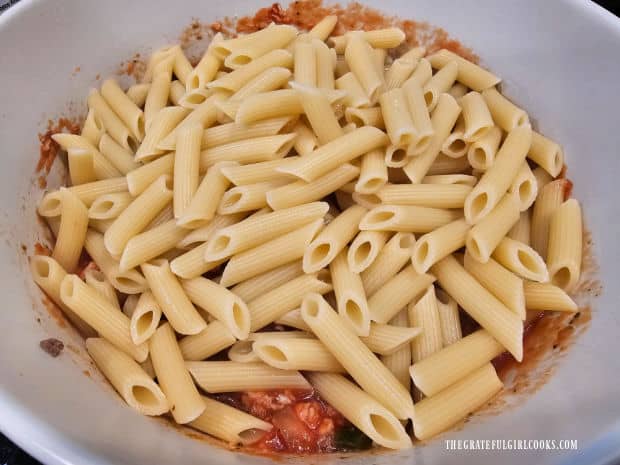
{"x":303,"y":422}
{"x":48,"y":148}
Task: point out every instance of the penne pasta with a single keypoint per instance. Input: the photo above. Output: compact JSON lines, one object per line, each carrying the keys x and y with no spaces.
{"x":78,"y":146}
{"x":399,"y":361}
{"x":96,"y":279}
{"x":161,"y":124}
{"x":111,"y":122}
{"x":470,"y":74}
{"x":550,"y":197}
{"x":565,"y":245}
{"x":505,"y":114}
{"x":522,"y":229}
{"x":449,"y":318}
{"x":390,"y":260}
{"x":319,"y":113}
{"x":500,"y":282}
{"x":545,"y":296}
{"x":406,"y":218}
{"x":546,"y":154}
{"x":132,"y":383}
{"x":403,"y":288}
{"x":278,"y":301}
{"x":269,"y":255}
{"x":386,"y":339}
{"x":525,"y":187}
{"x":254,"y":287}
{"x":92,"y":129}
{"x":305,"y":66}
{"x":350,"y":295}
{"x":503,"y":324}
{"x":211,"y":340}
{"x":138,"y":215}
{"x":355,"y":94}
{"x":145,"y":318}
{"x":204,"y":203}
{"x":288,"y":353}
{"x":255,"y":150}
{"x":217,"y":377}
{"x":447,"y":366}
{"x":186,"y":165}
{"x":438,"y":244}
{"x":72,"y":230}
{"x":221,"y":303}
{"x":101,"y":315}
{"x":151,"y":244}
{"x":365,"y":248}
{"x":476,"y":116}
{"x":157,"y":97}
{"x":425,"y":195}
{"x":126,"y":110}
{"x":332,"y":239}
{"x":481,"y":153}
{"x":363,"y":366}
{"x":443,"y":119}
{"x":169,"y":294}
{"x":173,"y":377}
{"x":437,"y":413}
{"x":497,"y":179}
{"x":440,"y":83}
{"x":521,"y":259}
{"x":484,"y":236}
{"x":424,"y":315}
{"x":358,"y":56}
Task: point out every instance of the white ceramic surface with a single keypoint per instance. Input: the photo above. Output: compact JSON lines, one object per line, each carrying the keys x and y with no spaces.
{"x":558,"y":59}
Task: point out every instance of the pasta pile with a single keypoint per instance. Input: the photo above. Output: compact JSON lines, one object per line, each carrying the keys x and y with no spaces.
{"x":227,"y":166}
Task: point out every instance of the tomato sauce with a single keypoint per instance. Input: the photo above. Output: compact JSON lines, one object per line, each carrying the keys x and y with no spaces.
{"x":303,"y":422}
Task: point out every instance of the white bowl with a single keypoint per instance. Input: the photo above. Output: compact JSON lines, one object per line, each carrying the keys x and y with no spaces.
{"x":558,"y":59}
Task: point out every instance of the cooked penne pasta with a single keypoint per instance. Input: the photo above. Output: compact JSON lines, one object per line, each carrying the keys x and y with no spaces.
{"x":439,"y":412}
{"x":145,"y":318}
{"x":355,"y":94}
{"x":128,"y":282}
{"x":390,"y":260}
{"x":332,"y":239}
{"x":319,"y":113}
{"x":396,"y":293}
{"x":476,"y":116}
{"x":305,"y":66}
{"x":525,"y":187}
{"x":122,"y":105}
{"x":111,"y":122}
{"x":481,"y":153}
{"x":206,"y":69}
{"x":248,"y":151}
{"x":151,"y":244}
{"x":133,"y":384}
{"x":364,"y":367}
{"x":233,"y":132}
{"x":97,"y":280}
{"x":221,"y":303}
{"x":78,"y":145}
{"x":92,"y":129}
{"x":522,"y":260}
{"x":254,"y":231}
{"x":397,"y":117}
{"x":278,"y":301}
{"x":157,"y":97}
{"x":230,"y":424}
{"x":174,"y":303}
{"x":546,"y":296}
{"x":442,"y":120}
{"x":101,"y":315}
{"x":336,"y":153}
{"x":440,"y":83}
{"x":160,"y":126}
{"x":386,"y":339}
{"x":565,"y":245}
{"x":288,"y":353}
{"x":365,"y":248}
{"x":48,"y":274}
{"x":186,"y":166}
{"x":138,"y":215}
{"x":438,"y":244}
{"x":485,"y":235}
{"x":361,"y":409}
{"x":254,"y":287}
{"x":458,"y":90}
{"x":522,"y":229}
{"x":269,"y":255}
{"x":373,"y":173}
{"x":497,"y":179}
{"x":505,"y":114}
{"x":325,"y":64}
{"x":259,"y":43}
{"x":217,"y":377}
{"x":359,"y":57}
{"x":462,"y":179}
{"x":500,"y":282}
{"x":81,"y":166}
{"x":399,"y":361}
{"x":425,"y":195}
{"x":481,"y":305}
{"x":470,"y":74}
{"x":406,"y":218}
{"x":173,"y":376}
{"x":120,"y":157}
{"x":204,"y":203}
{"x":419,"y":116}
{"x":444,"y":165}
{"x":350,"y":295}
{"x":424,"y":315}
{"x":72,"y":230}
{"x":211,"y":340}
{"x":546,"y":154}
{"x":549,"y":199}
{"x":449,"y":318}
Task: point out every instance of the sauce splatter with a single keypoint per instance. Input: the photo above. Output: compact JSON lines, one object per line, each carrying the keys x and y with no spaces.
{"x":305,"y":14}
{"x":134,"y":67}
{"x":52,"y":346}
{"x":48,"y":148}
